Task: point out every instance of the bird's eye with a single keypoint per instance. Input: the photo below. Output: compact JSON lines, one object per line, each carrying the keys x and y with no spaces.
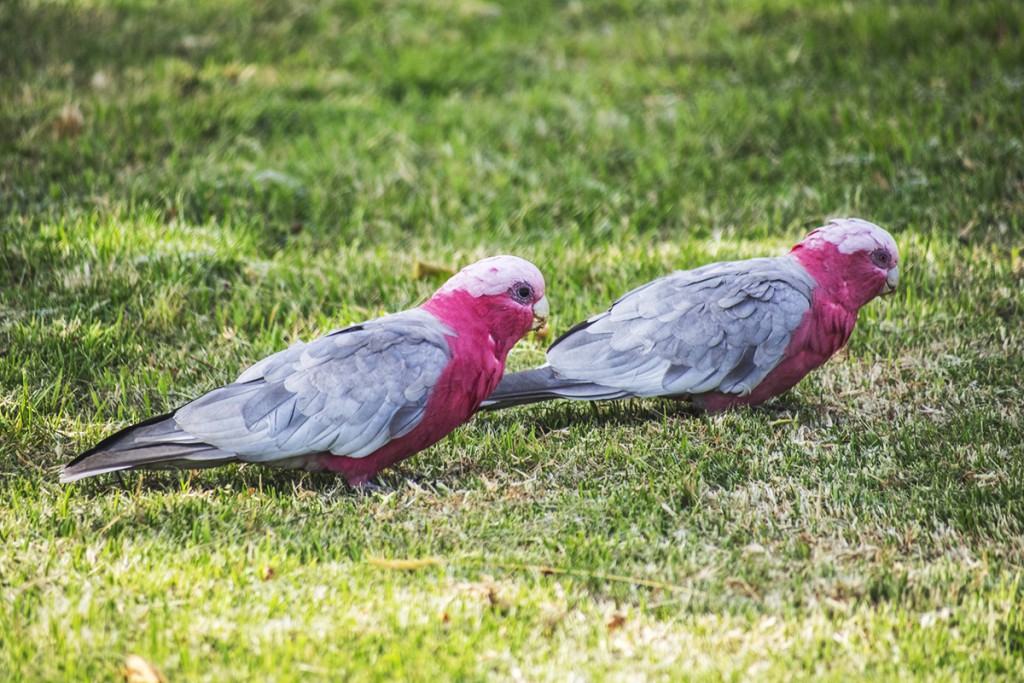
{"x":522,"y":292}
{"x":880,"y":257}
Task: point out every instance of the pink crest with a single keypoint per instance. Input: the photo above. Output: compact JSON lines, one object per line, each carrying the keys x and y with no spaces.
{"x":495,"y":275}
{"x":850,"y":235}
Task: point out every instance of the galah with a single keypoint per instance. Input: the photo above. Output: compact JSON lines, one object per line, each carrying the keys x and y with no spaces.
{"x":723,"y":335}
{"x":355,"y":400}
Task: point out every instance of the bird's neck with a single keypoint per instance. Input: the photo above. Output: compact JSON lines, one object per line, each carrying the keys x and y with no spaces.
{"x":834,"y":279}
{"x":475,"y":322}
{"x":834,"y":308}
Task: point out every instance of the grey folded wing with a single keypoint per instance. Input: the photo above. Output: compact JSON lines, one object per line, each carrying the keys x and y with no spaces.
{"x":722,"y":327}
{"x":347,"y":393}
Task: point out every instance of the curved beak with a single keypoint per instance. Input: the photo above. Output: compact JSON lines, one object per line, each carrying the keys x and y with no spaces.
{"x":540,"y":313}
{"x":892,"y":280}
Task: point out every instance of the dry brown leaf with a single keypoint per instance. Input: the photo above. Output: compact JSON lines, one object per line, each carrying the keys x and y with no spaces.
{"x":616,"y":622}
{"x":139,"y":670}
{"x":69,"y":122}
{"x":740,"y":586}
{"x":965,"y":233}
{"x":404,"y":565}
{"x":421,"y":270}
{"x":498,"y":599}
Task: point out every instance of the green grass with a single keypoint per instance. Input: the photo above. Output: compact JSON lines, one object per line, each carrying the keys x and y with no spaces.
{"x":250,"y":174}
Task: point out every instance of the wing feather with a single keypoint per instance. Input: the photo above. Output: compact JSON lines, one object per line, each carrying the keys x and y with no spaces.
{"x":722,"y":327}
{"x":348,"y":392}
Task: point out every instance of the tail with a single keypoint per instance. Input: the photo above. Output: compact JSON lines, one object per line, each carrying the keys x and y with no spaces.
{"x":544,"y":384}
{"x":157,"y":443}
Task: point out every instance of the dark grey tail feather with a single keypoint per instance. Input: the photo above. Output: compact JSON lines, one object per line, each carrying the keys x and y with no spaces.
{"x":543,"y":384}
{"x":157,"y":443}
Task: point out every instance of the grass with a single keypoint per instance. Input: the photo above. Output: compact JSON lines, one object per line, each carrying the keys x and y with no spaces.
{"x":246,"y":174}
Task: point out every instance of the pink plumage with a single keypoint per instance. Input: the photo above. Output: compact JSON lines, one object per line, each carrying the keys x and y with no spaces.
{"x":355,"y":400}
{"x":845,"y":281}
{"x":724,"y":335}
{"x":489,"y":323}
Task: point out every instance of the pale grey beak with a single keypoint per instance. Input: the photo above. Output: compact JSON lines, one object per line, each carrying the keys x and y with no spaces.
{"x":540,"y":313}
{"x":892,"y":280}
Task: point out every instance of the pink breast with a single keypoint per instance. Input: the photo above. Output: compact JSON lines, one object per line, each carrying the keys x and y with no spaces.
{"x":825,"y":328}
{"x":469,"y":378}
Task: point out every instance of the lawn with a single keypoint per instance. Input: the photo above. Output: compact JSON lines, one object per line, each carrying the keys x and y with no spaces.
{"x":186,"y":187}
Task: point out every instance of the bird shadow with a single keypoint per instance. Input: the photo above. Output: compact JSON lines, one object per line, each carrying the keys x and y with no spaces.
{"x":252,"y":479}
{"x":633,"y":412}
{"x":280,"y":483}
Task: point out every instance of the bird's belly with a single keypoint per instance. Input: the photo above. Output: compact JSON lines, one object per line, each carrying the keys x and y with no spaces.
{"x":813,"y":344}
{"x":457,"y":396}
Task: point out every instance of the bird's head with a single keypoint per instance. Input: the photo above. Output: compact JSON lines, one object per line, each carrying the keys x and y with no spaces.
{"x":505,"y":293}
{"x":855,"y":259}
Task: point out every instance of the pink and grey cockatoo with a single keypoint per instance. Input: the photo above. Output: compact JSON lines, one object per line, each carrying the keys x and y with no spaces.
{"x":355,"y":400}
{"x":724,"y":335}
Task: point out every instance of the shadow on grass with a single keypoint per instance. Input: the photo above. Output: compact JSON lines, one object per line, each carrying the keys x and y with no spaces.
{"x":281,"y":483}
{"x":276,"y":483}
{"x":630,"y":413}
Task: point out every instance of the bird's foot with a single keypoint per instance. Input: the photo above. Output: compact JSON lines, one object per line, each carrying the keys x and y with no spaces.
{"x":369,"y":488}
{"x":781,"y":407}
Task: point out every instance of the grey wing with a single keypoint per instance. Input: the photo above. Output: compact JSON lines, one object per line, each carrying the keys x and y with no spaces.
{"x":347,"y":393}
{"x":722,"y":327}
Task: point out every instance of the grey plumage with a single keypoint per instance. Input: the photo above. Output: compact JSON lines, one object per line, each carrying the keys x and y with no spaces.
{"x":157,"y":442}
{"x":542,"y":384}
{"x":346,"y":393}
{"x":722,"y":327}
